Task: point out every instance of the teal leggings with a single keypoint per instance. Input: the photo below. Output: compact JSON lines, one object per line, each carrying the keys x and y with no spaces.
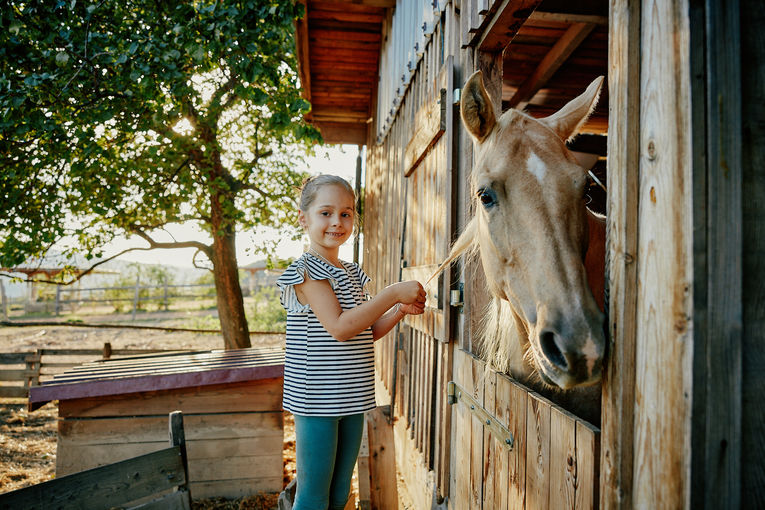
{"x":326,"y":448}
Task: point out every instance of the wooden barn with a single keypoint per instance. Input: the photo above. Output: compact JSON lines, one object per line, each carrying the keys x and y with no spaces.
{"x":112,"y":410}
{"x":678,"y":141}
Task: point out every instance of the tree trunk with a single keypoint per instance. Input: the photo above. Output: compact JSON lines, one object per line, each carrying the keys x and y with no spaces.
{"x":233,"y":322}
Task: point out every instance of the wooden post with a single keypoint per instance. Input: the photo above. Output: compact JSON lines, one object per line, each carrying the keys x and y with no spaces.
{"x":58,"y":299}
{"x":362,"y":466}
{"x":165,"y":294}
{"x":137,"y":290}
{"x":4,"y":303}
{"x":621,"y":260}
{"x":178,"y":438}
{"x":664,"y":315}
{"x":716,"y":469}
{"x":107,"y":350}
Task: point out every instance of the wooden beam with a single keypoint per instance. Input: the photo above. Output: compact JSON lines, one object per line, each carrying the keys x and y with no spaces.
{"x":560,"y":17}
{"x":386,"y":4}
{"x":618,"y":409}
{"x":348,"y":132}
{"x":555,"y":58}
{"x":301,"y":47}
{"x":498,"y":30}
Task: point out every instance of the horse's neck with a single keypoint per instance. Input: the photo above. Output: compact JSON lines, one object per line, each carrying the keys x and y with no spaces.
{"x":595,"y":261}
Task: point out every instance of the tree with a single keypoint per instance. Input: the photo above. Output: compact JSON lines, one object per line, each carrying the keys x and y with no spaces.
{"x":119,"y":118}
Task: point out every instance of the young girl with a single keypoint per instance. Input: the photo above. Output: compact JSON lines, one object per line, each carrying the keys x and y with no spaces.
{"x":331,"y":327}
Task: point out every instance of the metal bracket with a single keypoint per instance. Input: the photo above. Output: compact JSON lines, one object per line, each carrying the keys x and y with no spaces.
{"x":457,"y":394}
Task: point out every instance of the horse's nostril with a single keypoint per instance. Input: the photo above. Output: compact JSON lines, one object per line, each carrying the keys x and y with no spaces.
{"x":551,"y":350}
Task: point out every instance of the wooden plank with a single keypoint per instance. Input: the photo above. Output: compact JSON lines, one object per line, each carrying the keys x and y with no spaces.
{"x":383,"y":489}
{"x":498,"y":30}
{"x":718,"y":244}
{"x":235,"y":489}
{"x":17,"y":374}
{"x":103,"y":487}
{"x":174,"y":501}
{"x":511,"y":408}
{"x":753,"y":224}
{"x":429,"y":125}
{"x":587,"y":465}
{"x":491,"y":447}
{"x":148,"y":428}
{"x":463,"y":436}
{"x":253,"y":396}
{"x":563,"y":459}
{"x":621,"y":263}
{"x":474,"y":387}
{"x":78,"y":456}
{"x":664,"y":342}
{"x":554,"y":59}
{"x":14,"y":392}
{"x":538,"y":452}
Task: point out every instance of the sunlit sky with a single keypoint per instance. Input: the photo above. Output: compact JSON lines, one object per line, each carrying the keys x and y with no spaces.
{"x":336,"y":160}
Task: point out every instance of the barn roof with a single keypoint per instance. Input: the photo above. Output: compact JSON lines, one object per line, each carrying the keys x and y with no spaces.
{"x":338,"y":47}
{"x":166,"y":371}
{"x":558,"y":49}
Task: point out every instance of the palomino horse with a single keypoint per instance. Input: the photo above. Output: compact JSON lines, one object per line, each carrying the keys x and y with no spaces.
{"x":532,"y":230}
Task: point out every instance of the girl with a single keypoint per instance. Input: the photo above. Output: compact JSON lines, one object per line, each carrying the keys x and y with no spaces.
{"x":329,"y":363}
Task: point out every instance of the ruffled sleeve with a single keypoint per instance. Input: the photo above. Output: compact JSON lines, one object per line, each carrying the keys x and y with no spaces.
{"x":295,"y":274}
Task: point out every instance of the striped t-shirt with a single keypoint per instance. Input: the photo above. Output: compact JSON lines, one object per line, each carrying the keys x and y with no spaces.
{"x":323,"y":376}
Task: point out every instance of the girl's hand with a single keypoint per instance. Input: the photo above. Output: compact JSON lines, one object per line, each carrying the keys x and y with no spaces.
{"x":410,"y":292}
{"x":412,"y":309}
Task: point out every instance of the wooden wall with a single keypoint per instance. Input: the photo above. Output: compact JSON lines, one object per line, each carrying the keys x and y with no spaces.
{"x":681,"y":420}
{"x":415,"y":204}
{"x":234,"y":434}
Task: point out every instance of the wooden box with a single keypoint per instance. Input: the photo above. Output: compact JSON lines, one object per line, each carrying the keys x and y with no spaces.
{"x":231,"y":400}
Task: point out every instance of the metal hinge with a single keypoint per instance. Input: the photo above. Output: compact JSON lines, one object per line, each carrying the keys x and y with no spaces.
{"x":457,"y":394}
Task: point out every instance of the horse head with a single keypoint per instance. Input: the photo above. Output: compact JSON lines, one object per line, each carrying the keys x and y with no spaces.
{"x":530,"y":229}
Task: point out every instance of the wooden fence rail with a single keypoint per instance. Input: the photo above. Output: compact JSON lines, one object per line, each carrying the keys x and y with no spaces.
{"x":27,"y":369}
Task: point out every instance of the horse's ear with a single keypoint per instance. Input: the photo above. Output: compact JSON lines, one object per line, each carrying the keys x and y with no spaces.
{"x":476,"y":108}
{"x":567,"y":121}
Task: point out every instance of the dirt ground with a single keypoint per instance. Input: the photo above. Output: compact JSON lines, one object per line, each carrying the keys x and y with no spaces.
{"x":28,"y":439}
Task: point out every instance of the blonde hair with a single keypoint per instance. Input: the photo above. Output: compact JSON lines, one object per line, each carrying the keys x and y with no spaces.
{"x":311,"y":186}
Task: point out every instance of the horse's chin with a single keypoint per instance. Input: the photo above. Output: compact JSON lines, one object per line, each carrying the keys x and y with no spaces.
{"x":555,"y":378}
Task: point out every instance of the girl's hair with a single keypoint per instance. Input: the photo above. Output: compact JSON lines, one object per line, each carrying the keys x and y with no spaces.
{"x":312,"y":184}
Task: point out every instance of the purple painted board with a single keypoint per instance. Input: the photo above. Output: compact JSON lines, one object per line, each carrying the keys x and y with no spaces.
{"x":160,"y":372}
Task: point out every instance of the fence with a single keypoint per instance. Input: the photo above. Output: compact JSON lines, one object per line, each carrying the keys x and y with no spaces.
{"x":138,"y":295}
{"x":28,"y":369}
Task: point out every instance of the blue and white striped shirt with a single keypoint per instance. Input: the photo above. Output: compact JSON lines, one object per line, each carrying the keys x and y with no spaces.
{"x":323,"y":376}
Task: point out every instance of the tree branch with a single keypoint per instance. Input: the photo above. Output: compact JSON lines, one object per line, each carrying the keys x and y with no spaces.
{"x":182,"y":244}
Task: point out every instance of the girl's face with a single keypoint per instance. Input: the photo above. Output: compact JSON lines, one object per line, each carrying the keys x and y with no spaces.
{"x":329,"y":219}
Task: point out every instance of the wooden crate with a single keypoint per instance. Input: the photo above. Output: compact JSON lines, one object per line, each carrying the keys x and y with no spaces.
{"x":231,"y":400}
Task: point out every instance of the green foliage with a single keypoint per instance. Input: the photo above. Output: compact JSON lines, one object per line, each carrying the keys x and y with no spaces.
{"x":119,"y":118}
{"x":268,"y":314}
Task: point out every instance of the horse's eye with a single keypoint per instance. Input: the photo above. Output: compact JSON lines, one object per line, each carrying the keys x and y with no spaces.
{"x":488,"y":197}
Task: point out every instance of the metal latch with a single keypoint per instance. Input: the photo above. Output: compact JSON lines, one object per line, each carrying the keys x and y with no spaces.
{"x":457,"y":394}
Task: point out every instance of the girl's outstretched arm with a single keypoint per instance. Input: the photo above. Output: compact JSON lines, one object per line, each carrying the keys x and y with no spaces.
{"x":346,"y":324}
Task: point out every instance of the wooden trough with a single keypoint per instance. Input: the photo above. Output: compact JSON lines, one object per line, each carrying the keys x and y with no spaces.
{"x":113,"y":410}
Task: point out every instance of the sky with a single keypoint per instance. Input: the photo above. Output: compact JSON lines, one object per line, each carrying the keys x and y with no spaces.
{"x":331,"y":159}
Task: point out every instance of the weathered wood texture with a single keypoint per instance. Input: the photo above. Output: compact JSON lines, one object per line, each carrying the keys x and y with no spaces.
{"x":407,"y":230}
{"x":753,"y":291}
{"x":664,"y":341}
{"x":233,"y":450}
{"x":553,"y":461}
{"x":113,"y":410}
{"x":622,"y":251}
{"x":153,"y":480}
{"x":717,"y":242}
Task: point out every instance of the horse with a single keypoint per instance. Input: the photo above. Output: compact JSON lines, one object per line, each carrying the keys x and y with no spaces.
{"x":541,"y":249}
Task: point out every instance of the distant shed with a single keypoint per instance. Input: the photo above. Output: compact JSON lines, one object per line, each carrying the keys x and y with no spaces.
{"x":110,"y":410}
